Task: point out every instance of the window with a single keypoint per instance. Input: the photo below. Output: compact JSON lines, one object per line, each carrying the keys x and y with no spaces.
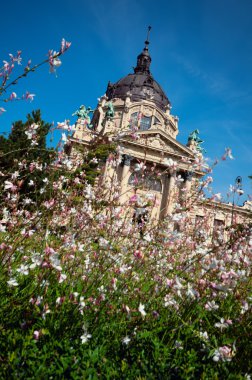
{"x":145,"y":122}
{"x":147,"y":182}
{"x":156,"y":120}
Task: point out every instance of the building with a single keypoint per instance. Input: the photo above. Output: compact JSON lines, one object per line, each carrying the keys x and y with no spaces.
{"x":136,"y":111}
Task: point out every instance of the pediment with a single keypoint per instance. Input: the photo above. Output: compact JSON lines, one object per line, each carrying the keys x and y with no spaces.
{"x":159,"y":140}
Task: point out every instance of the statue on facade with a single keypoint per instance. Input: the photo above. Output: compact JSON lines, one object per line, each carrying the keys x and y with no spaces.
{"x":194,"y":137}
{"x":110,"y":113}
{"x":83,"y":114}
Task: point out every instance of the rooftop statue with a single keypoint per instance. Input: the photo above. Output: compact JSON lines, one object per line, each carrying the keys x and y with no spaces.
{"x":83,"y":113}
{"x":110,"y":111}
{"x":194,"y":136}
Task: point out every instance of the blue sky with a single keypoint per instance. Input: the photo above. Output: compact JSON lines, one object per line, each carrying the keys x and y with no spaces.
{"x":201,"y":55}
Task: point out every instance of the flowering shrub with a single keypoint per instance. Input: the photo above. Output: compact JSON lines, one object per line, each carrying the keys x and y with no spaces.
{"x":88,"y":291}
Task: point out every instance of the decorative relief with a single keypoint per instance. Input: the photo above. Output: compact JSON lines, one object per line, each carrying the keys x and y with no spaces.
{"x":163,"y":145}
{"x":157,"y":142}
{"x":147,"y":111}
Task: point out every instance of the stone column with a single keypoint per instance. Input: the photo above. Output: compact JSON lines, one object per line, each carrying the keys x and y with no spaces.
{"x":188,"y":184}
{"x":171,"y":193}
{"x":126,"y":159}
{"x":109,"y":174}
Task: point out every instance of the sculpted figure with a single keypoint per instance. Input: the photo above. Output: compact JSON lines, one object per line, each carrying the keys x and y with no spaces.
{"x":194,"y":136}
{"x":110,"y":111}
{"x":83,"y":113}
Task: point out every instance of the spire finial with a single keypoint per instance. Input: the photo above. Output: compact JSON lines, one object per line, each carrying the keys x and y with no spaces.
{"x":148,"y":35}
{"x":144,"y":59}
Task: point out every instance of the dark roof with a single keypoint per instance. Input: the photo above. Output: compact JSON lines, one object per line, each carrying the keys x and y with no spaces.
{"x":140,"y":85}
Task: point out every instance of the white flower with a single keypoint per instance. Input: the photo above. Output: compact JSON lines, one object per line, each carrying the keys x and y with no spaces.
{"x":9,"y":185}
{"x":170,"y":163}
{"x":55,"y":262}
{"x":178,"y":345}
{"x":57,"y":62}
{"x":2,"y":228}
{"x":217,"y":196}
{"x":80,"y":247}
{"x":222,"y":324}
{"x":34,"y":126}
{"x":244,"y":307}
{"x":36,"y":261}
{"x":203,"y":335}
{"x":179,"y":179}
{"x":147,"y":237}
{"x":27,"y":201}
{"x":12,"y":282}
{"x":62,"y":277}
{"x":94,"y":160}
{"x":126,"y":340}
{"x":191,"y":293}
{"x":139,"y":167}
{"x":23,"y":269}
{"x":85,"y":337}
{"x":82,"y":302}
{"x":141,"y":310}
{"x":103,"y":243}
{"x":64,"y":137}
{"x":228,"y":153}
{"x":211,"y":305}
{"x":15,"y":175}
{"x":29,"y":135}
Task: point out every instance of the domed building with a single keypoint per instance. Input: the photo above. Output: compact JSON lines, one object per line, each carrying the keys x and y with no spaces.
{"x":135,"y":112}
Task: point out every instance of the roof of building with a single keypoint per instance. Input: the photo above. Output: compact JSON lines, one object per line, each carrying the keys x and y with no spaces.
{"x":140,"y":84}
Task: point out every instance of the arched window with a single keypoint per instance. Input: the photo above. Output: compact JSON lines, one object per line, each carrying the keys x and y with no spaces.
{"x":156,"y":120}
{"x":146,"y":182}
{"x":145,"y":121}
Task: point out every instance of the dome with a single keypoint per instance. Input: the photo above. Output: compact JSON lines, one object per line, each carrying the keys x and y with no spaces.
{"x":139,"y":85}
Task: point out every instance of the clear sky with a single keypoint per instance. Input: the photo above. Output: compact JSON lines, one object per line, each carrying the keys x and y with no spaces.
{"x":201,"y":55}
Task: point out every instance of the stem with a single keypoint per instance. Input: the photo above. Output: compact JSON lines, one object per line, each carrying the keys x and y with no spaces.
{"x":35,"y":67}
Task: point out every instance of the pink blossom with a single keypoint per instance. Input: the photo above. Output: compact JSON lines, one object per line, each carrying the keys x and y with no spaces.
{"x":64,"y":45}
{"x":28,"y":96}
{"x":13,"y":96}
{"x":36,"y":335}
{"x":133,"y":198}
{"x":9,"y":186}
{"x":228,"y":153}
{"x":224,"y":354}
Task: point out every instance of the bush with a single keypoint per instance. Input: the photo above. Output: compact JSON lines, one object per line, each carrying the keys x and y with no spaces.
{"x":86,"y":292}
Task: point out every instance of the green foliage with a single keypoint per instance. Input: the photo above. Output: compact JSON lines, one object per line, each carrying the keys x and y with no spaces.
{"x":17,"y":147}
{"x":94,"y":160}
{"x":31,"y":162}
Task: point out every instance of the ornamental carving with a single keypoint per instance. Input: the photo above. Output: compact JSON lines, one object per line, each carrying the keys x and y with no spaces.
{"x":147,"y":111}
